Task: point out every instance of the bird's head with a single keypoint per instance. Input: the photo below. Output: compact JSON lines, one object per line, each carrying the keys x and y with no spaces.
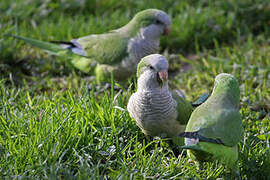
{"x":152,"y":72}
{"x":225,"y":80}
{"x":151,"y":23}
{"x":227,"y":83}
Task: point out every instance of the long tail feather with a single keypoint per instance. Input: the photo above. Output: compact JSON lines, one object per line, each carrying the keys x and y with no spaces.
{"x":54,"y":48}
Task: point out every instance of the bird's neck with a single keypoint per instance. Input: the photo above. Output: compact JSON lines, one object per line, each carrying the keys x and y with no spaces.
{"x":129,"y":30}
{"x":145,"y":86}
{"x":161,"y":95}
{"x":142,"y":41}
{"x":142,"y":46}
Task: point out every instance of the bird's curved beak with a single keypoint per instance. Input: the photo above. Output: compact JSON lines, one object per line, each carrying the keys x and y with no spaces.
{"x":167,"y":30}
{"x":163,"y":76}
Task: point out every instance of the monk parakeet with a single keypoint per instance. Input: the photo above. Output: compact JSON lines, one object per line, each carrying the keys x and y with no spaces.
{"x":157,"y":110}
{"x":117,"y":51}
{"x":215,"y":127}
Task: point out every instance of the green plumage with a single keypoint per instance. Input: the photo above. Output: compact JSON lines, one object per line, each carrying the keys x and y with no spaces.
{"x":51,"y":47}
{"x":217,"y":119}
{"x":205,"y":151}
{"x":116,"y":52}
{"x":110,"y":48}
{"x":184,"y":108}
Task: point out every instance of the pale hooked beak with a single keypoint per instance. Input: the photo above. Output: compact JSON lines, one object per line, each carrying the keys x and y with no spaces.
{"x":163,"y":75}
{"x":166,"y":30}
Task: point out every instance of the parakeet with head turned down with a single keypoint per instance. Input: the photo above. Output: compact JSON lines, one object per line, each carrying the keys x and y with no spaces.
{"x":157,"y":110}
{"x":215,"y":127}
{"x":117,"y":51}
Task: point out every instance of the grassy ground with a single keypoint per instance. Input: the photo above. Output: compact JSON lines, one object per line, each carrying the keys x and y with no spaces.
{"x":52,"y":126}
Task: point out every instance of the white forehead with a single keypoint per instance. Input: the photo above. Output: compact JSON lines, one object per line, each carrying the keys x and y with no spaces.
{"x":163,"y":17}
{"x":158,"y":61}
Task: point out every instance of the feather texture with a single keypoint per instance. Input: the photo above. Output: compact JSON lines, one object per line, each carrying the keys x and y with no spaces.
{"x":215,"y":127}
{"x":155,"y":109}
{"x":116,"y":52}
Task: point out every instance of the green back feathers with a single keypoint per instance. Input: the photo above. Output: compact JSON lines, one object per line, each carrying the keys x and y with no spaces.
{"x":219,"y":117}
{"x":223,"y":124}
{"x":108,"y":48}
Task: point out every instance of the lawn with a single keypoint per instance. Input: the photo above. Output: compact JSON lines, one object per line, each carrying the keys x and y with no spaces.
{"x":57,"y":123}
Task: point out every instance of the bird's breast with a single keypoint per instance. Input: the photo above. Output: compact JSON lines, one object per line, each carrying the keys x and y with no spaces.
{"x":155,"y":113}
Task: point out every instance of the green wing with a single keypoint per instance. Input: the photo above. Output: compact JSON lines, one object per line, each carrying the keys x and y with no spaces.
{"x":104,"y":48}
{"x":223,"y":124}
{"x":228,"y":127}
{"x":184,"y":108}
{"x":107,"y":48}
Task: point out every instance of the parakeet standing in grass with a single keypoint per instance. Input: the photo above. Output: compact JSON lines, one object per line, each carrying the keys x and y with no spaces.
{"x":117,"y":51}
{"x":215,"y":127}
{"x":157,"y":110}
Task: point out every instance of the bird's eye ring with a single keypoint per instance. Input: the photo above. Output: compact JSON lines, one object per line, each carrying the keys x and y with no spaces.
{"x":151,"y":67}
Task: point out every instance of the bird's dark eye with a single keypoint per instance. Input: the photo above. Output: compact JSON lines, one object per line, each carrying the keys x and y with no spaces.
{"x":151,"y":67}
{"x":158,"y":21}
